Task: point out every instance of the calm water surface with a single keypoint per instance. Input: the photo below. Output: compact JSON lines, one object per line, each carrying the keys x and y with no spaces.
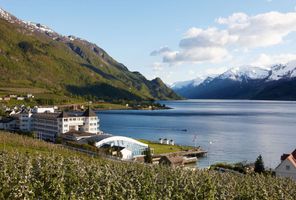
{"x":230,"y":130}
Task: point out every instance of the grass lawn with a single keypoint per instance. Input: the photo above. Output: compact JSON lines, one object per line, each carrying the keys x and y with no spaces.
{"x":11,"y":142}
{"x":20,"y":90}
{"x":108,"y":106}
{"x":164,"y":148}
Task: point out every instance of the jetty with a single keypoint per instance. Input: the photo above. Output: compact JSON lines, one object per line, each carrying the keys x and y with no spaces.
{"x":179,"y":158}
{"x":195,"y":152}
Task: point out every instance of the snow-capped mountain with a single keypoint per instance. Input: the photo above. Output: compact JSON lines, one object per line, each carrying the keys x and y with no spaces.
{"x":194,"y":82}
{"x":245,"y":73}
{"x":245,"y":82}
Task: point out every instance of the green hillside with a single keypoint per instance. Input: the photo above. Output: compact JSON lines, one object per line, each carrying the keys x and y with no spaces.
{"x":68,"y":67}
{"x":33,"y":169}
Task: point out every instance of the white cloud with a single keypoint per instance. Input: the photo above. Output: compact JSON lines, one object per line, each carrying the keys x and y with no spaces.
{"x":196,"y":55}
{"x":260,"y":30}
{"x":160,"y":51}
{"x":211,"y":37}
{"x":241,"y":32}
{"x":265,"y":60}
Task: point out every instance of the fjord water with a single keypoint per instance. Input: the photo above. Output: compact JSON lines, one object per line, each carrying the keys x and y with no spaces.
{"x":230,"y":130}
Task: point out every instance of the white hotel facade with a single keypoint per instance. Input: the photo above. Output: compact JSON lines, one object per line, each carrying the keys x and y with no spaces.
{"x":49,"y":125}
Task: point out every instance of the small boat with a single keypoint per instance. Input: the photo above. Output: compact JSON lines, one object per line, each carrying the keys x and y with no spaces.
{"x":184,"y":130}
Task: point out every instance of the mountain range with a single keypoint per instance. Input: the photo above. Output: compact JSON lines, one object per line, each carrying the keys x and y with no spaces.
{"x":34,"y":56}
{"x":277,"y":82}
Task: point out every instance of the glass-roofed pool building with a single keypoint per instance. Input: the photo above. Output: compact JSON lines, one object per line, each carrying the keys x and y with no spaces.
{"x":132,"y":147}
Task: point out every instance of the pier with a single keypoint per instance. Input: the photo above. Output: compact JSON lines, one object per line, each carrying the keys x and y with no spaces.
{"x":195,"y":152}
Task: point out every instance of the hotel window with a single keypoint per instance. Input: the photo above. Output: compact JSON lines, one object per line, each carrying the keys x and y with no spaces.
{"x":65,"y":120}
{"x":287,"y":167}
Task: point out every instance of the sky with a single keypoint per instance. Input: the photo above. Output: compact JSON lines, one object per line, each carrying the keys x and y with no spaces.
{"x":173,"y":39}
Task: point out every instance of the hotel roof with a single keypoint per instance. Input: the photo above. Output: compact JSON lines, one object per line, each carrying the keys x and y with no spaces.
{"x":75,"y":133}
{"x":89,"y":113}
{"x":63,"y":115}
{"x":46,"y":115}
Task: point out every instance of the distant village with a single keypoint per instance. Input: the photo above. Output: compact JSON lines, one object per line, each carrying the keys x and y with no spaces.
{"x":16,"y":97}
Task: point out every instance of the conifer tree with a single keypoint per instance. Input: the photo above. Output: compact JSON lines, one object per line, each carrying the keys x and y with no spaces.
{"x":259,"y":165}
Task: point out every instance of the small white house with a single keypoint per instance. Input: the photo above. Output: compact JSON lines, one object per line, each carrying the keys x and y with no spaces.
{"x":287,"y":167}
{"x":20,"y":98}
{"x":126,"y":154}
{"x":160,"y":140}
{"x":172,"y":142}
{"x":165,"y":141}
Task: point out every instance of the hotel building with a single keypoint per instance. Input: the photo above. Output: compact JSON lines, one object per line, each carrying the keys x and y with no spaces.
{"x":49,"y":125}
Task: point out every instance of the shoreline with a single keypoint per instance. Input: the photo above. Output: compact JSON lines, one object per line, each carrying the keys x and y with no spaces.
{"x":106,"y":109}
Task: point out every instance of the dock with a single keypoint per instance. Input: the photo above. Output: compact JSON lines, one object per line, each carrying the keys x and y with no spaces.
{"x":196,"y":152}
{"x":180,"y":157}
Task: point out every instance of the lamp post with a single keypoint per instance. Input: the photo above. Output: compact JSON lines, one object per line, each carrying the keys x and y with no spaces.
{"x":195,"y":140}
{"x":210,"y":144}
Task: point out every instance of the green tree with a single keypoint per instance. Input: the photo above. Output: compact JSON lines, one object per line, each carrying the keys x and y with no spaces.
{"x":148,"y":155}
{"x":259,"y":165}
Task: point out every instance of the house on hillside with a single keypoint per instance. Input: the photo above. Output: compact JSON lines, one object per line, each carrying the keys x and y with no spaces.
{"x":13,"y":96}
{"x":6,"y":98}
{"x":287,"y":167}
{"x":30,"y":96}
{"x":20,"y":98}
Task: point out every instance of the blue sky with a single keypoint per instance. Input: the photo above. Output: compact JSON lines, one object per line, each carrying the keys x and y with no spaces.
{"x":189,"y":38}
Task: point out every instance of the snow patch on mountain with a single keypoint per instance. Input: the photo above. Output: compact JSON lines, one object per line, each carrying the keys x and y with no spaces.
{"x":39,"y":27}
{"x":28,"y":25}
{"x":5,"y":15}
{"x":281,"y":71}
